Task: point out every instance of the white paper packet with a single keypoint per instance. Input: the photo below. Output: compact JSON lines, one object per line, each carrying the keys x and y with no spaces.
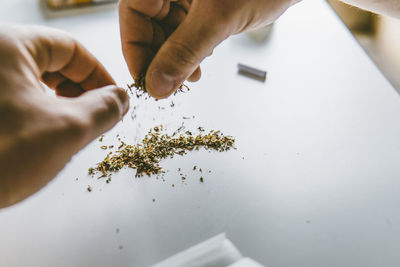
{"x":214,"y":252}
{"x":246,"y":262}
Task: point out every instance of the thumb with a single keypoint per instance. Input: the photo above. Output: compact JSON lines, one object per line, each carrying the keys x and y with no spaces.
{"x":180,"y":55}
{"x":102,"y":108}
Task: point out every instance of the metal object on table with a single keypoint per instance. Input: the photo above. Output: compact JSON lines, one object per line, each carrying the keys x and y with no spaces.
{"x":251,"y":72}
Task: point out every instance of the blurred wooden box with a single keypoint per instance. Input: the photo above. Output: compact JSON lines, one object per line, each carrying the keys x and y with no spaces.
{"x":379,"y":35}
{"x":60,"y":4}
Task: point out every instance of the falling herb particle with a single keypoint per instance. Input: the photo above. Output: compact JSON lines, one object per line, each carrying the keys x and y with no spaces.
{"x":121,"y":247}
{"x":89,"y":188}
{"x":101,"y":138}
{"x":103,"y":147}
{"x":194,"y":168}
{"x":201,"y":179}
{"x":141,"y":91}
{"x":154,"y":200}
{"x":180,"y":129}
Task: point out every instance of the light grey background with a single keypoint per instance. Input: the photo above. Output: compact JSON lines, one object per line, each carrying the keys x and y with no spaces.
{"x":319,"y":184}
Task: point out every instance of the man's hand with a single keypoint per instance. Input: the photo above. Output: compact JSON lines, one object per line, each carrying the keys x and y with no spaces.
{"x":39,"y":133}
{"x":168,"y":39}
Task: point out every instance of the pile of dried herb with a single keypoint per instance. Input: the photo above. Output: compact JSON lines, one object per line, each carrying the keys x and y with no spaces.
{"x":145,"y":157}
{"x":140,"y":90}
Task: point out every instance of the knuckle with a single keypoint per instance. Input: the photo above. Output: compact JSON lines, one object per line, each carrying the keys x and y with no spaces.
{"x":222,"y":12}
{"x":226,"y":18}
{"x":183,"y":53}
{"x":111,"y":102}
{"x":108,"y":109}
{"x":76,"y":127}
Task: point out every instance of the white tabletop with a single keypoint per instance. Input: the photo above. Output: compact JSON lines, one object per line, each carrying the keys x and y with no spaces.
{"x":319,"y":184}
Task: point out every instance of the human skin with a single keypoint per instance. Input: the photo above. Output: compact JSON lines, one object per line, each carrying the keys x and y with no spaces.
{"x":39,"y":133}
{"x":168,"y":39}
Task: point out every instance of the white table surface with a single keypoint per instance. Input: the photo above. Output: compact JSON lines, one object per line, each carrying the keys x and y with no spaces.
{"x":319,"y":184}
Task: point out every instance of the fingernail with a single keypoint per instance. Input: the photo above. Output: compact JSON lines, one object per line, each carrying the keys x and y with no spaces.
{"x":124,"y":98}
{"x":161,"y":84}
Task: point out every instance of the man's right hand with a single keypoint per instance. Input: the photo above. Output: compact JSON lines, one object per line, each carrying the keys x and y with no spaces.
{"x":168,"y":39}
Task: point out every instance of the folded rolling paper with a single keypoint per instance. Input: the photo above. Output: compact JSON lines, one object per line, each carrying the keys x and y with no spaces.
{"x":215,"y":252}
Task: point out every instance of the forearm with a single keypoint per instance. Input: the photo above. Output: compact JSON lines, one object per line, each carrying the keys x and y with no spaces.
{"x":383,"y":7}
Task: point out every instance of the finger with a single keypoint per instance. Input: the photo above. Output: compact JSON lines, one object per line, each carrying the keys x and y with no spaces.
{"x":53,"y":79}
{"x":175,"y":16}
{"x":61,"y":85}
{"x":183,"y":51}
{"x":195,"y":76}
{"x":138,"y":36}
{"x":149,"y":8}
{"x":101,"y":108}
{"x":69,"y":89}
{"x":84,"y":69}
{"x":158,"y":36}
{"x":56,"y":52}
{"x":164,"y":10}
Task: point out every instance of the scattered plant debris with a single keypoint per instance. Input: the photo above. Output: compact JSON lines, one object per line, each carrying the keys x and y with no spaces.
{"x":157,"y":145}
